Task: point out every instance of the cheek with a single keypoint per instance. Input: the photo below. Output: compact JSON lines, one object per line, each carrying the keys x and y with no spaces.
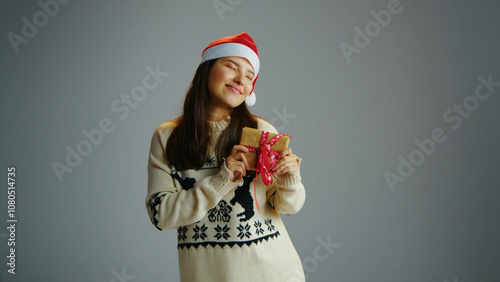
{"x":248,"y":88}
{"x":219,"y":74}
{"x":214,"y":79}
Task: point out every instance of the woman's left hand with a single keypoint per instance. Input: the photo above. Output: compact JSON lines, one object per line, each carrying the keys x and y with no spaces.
{"x":287,"y":162}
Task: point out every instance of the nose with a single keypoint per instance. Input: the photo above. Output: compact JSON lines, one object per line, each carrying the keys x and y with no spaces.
{"x":239,"y":78}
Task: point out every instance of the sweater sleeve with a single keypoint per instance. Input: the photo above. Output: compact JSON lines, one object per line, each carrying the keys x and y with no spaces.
{"x":170,"y":206}
{"x":287,"y":193}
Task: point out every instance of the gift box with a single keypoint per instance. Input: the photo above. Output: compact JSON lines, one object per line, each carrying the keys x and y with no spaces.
{"x":264,"y":149}
{"x":253,"y":138}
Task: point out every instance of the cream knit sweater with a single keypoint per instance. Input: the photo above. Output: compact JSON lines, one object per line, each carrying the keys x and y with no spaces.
{"x":221,"y":235}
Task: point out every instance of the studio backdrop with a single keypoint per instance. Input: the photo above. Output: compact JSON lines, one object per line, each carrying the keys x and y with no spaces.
{"x":392,"y":105}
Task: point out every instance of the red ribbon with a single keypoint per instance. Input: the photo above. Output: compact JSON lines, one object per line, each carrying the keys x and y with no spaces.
{"x":266,"y":160}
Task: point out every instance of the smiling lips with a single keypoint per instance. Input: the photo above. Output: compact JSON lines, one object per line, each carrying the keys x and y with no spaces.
{"x":234,"y":88}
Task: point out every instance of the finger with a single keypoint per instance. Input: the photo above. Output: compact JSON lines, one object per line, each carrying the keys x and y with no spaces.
{"x":284,"y":170}
{"x":245,"y":161}
{"x":237,"y":167}
{"x":286,"y":165}
{"x":238,"y":148}
{"x":230,"y":161}
{"x":283,"y":162}
{"x":237,"y":175}
{"x":285,"y":152}
{"x":281,"y":168}
{"x":240,"y":157}
{"x":279,"y":165}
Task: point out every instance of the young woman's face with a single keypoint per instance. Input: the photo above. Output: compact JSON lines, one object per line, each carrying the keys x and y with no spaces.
{"x":230,"y":82}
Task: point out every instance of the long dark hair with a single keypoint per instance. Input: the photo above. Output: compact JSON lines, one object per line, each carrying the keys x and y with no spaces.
{"x":187,"y":146}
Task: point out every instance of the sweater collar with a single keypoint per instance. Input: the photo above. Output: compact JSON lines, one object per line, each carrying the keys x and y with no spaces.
{"x":219,"y":126}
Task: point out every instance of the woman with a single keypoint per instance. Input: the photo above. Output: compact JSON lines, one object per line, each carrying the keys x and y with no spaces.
{"x":200,"y":183}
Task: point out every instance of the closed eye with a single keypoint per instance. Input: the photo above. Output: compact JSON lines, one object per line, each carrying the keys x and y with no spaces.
{"x":233,"y":66}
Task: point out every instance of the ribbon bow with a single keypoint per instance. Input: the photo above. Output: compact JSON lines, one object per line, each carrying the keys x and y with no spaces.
{"x":266,"y":160}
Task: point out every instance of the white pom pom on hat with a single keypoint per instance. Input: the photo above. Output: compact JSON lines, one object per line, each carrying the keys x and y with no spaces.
{"x":239,"y":45}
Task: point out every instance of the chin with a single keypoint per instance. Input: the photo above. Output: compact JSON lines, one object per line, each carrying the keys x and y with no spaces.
{"x":233,"y":104}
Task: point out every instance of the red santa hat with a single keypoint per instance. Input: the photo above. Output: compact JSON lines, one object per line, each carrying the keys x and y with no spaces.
{"x":240,"y":45}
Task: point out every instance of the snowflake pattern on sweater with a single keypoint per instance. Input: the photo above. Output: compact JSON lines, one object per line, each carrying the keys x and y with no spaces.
{"x":211,"y":233}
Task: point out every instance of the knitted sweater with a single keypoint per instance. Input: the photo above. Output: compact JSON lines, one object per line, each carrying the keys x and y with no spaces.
{"x":221,"y":234}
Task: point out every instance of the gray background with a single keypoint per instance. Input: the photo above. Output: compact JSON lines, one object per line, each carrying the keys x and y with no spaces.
{"x":349,"y":122}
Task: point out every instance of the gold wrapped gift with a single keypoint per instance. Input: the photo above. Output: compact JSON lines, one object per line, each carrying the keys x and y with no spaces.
{"x":251,"y":137}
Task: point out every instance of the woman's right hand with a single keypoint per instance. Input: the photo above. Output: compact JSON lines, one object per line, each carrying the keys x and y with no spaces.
{"x":237,"y":163}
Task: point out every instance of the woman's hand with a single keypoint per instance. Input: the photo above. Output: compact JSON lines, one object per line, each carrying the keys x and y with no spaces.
{"x":287,"y":162}
{"x":237,"y":163}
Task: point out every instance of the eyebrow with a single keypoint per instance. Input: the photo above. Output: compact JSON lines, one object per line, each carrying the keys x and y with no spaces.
{"x":239,"y":65}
